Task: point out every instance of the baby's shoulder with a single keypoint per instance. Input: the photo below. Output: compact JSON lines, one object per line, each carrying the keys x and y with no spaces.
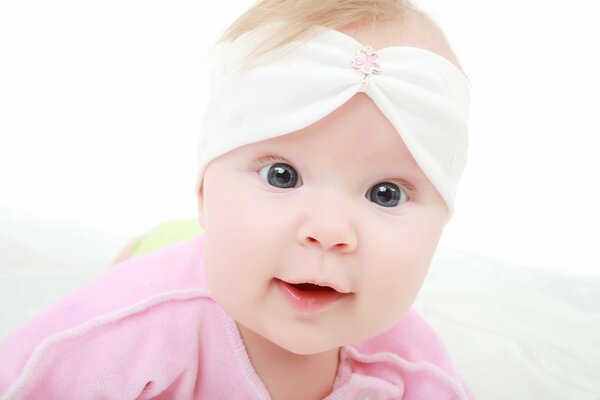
{"x":412,"y":339}
{"x":145,"y":299}
{"x":410,"y":355}
{"x":149,"y":279}
{"x":143,"y":282}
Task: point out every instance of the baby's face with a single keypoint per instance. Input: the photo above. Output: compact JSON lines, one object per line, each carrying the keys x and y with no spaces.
{"x":342,"y":203}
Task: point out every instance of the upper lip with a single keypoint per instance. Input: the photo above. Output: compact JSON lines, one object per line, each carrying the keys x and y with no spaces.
{"x":335,"y":287}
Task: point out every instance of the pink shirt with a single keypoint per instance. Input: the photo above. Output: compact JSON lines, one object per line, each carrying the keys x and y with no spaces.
{"x":148,"y":328}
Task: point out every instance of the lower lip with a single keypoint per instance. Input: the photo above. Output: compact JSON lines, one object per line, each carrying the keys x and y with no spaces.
{"x":308,"y":301}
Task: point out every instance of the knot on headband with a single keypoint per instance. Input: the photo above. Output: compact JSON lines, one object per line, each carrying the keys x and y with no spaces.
{"x":423,"y":95}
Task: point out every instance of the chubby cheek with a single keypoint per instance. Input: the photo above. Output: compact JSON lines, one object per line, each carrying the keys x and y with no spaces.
{"x":398,"y":264}
{"x":243,"y":247}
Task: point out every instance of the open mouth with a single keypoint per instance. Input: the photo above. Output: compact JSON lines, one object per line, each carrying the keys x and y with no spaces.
{"x":308,"y":297}
{"x":310,"y":287}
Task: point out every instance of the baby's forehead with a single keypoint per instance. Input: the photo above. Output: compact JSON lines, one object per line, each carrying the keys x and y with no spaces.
{"x":356,"y":132}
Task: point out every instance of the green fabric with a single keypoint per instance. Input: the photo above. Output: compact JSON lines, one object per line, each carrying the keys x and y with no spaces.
{"x":166,"y":234}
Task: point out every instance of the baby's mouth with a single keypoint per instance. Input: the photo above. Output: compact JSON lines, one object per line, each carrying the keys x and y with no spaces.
{"x":312,"y":287}
{"x":308,"y":297}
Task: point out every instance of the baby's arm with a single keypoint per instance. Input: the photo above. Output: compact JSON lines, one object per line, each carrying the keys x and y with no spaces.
{"x":162,"y":235}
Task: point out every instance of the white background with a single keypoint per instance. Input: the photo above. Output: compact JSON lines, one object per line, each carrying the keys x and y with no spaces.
{"x":101,"y":103}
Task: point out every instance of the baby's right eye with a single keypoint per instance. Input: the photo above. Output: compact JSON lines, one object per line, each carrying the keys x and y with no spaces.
{"x":280,"y":175}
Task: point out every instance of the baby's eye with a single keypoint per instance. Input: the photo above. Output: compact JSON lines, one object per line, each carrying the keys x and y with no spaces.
{"x":387,"y":194}
{"x":280,"y":175}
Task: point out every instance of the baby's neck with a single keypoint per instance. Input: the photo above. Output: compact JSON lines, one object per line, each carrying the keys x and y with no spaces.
{"x":287,"y":375}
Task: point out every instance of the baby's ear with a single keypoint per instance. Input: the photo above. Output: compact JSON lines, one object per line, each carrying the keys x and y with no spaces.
{"x":200,"y":196}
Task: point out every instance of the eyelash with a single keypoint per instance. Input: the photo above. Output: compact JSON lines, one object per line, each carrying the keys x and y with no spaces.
{"x":265,"y":160}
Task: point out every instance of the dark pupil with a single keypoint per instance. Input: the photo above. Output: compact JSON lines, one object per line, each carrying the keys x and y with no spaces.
{"x":282,"y":175}
{"x":386,"y":194}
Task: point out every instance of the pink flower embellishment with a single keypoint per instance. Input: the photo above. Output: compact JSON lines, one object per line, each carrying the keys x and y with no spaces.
{"x":365,"y":60}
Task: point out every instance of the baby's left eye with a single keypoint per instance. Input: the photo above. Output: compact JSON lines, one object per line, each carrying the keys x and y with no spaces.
{"x":387,"y":194}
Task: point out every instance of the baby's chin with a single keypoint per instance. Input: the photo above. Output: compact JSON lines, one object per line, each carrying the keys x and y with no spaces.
{"x":299,"y":341}
{"x":307,"y":346}
{"x":321,"y":340}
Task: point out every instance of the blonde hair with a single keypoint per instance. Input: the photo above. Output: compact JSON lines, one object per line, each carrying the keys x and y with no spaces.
{"x":300,"y":16}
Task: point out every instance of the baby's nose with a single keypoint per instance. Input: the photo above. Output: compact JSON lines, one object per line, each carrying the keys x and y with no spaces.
{"x":330,"y":225}
{"x":342,"y":247}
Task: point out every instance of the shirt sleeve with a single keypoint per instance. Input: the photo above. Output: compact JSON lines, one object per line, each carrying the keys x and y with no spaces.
{"x":134,"y":352}
{"x":129,"y":332}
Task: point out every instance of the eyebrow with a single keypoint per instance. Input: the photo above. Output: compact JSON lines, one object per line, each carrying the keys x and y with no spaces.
{"x":269,"y":157}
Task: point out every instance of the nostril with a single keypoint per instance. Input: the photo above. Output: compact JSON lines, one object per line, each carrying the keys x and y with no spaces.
{"x":337,"y":246}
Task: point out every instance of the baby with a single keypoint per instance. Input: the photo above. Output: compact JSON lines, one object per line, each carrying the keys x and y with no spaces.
{"x":331,"y":148}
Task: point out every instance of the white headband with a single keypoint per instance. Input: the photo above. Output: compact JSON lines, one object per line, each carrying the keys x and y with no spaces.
{"x":424,"y":96}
